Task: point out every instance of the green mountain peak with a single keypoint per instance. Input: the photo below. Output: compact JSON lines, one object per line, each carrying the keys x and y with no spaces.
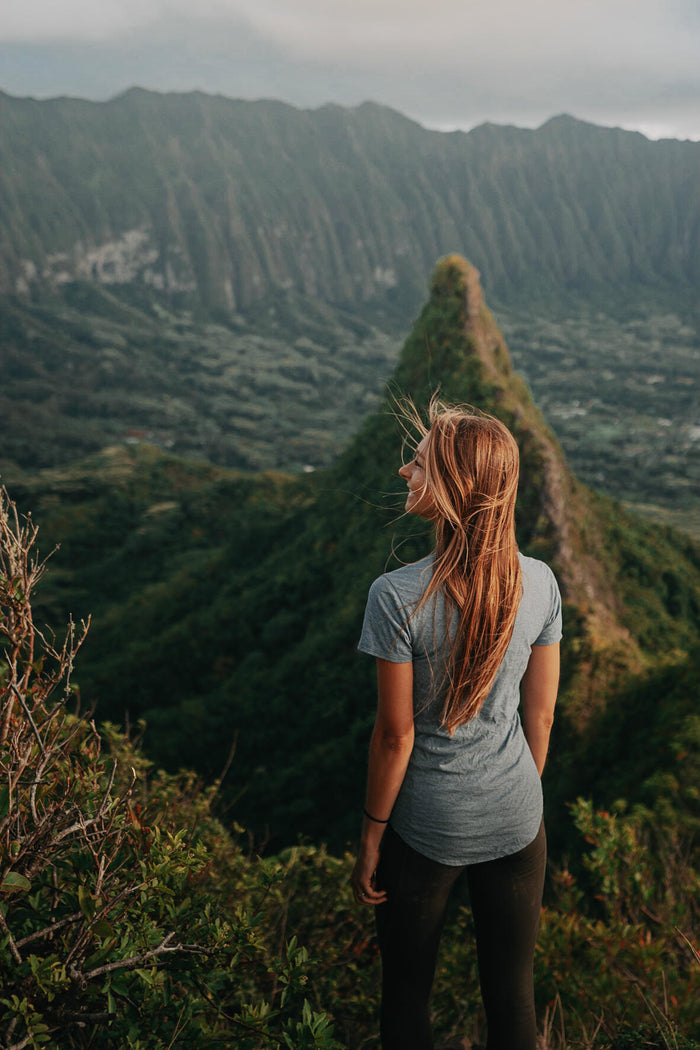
{"x":456,"y":348}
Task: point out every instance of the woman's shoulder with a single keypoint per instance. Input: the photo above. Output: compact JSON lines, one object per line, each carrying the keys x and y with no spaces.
{"x":407,"y":580}
{"x":539,"y":582}
{"x":386,"y":631}
{"x":541,"y":601}
{"x":533,"y":568}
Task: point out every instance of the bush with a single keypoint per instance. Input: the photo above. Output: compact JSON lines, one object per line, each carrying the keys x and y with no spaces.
{"x":111,"y":932}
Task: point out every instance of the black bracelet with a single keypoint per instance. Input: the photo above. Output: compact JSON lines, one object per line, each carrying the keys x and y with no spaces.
{"x":375,"y":819}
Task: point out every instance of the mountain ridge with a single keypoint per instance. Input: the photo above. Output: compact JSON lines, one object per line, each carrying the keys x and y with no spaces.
{"x":222,"y":201}
{"x":366,"y":105}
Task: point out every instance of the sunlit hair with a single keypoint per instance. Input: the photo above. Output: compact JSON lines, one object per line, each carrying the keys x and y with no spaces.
{"x":471,"y":469}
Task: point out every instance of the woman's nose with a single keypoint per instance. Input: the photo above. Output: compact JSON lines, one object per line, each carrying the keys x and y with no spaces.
{"x":404,"y":471}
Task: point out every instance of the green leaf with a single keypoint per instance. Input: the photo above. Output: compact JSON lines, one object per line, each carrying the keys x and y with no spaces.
{"x":86,"y":902}
{"x":103,"y":929}
{"x":13,"y":881}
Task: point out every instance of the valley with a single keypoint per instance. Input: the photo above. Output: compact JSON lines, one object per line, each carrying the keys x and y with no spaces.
{"x":233,"y":281}
{"x":284,"y":386}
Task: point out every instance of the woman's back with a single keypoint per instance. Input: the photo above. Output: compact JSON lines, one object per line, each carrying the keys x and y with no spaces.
{"x":475,"y":794}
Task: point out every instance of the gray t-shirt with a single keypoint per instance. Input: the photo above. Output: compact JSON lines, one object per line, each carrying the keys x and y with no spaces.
{"x":475,"y":795}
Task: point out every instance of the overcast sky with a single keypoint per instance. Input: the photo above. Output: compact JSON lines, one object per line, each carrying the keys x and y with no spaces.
{"x":446,"y":63}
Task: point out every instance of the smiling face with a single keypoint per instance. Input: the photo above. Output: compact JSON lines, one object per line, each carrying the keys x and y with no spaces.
{"x":419,"y":499}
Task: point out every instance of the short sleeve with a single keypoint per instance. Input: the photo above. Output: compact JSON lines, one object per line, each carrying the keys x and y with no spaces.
{"x":552,"y":630}
{"x":385,"y":630}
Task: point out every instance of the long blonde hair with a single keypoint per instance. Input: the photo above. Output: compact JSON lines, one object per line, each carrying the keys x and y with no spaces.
{"x":471,"y":468}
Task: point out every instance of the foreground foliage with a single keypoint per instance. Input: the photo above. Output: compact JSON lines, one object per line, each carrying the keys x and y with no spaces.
{"x":131,"y":916}
{"x":108,"y":916}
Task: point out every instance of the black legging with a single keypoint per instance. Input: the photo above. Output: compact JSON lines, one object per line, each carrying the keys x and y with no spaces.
{"x":505,"y":895}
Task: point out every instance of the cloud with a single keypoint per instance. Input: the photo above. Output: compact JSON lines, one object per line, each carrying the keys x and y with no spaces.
{"x":444,"y":62}
{"x":362,"y":30}
{"x":476,"y":37}
{"x":99,"y":21}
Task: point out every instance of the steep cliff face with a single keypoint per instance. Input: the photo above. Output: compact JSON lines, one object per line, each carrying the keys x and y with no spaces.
{"x":225,"y":201}
{"x":564,"y":502}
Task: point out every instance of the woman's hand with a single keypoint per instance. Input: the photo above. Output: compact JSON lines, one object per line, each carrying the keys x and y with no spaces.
{"x":363,"y":874}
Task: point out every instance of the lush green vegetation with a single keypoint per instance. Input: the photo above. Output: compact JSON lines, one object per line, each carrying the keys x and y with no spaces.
{"x":284,"y":387}
{"x":120,"y":893}
{"x":123,"y":899}
{"x":225,"y":611}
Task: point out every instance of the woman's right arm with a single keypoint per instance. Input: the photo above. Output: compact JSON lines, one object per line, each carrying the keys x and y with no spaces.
{"x":538,"y":695}
{"x":389,"y":751}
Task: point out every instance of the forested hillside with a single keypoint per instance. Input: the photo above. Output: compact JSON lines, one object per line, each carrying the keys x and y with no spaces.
{"x":227,"y":608}
{"x":282,"y":387}
{"x":222,"y":201}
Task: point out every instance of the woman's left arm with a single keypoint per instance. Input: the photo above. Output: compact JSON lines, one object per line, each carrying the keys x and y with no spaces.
{"x":389,"y":751}
{"x":538,"y":695}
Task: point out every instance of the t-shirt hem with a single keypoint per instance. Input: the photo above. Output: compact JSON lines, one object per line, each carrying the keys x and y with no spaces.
{"x":468,"y":858}
{"x":393,"y":658}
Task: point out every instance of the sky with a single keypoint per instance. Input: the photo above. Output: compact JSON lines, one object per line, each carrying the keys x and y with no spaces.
{"x":446,"y":63}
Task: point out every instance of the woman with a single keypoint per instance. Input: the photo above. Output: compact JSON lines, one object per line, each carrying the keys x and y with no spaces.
{"x":461,"y":638}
